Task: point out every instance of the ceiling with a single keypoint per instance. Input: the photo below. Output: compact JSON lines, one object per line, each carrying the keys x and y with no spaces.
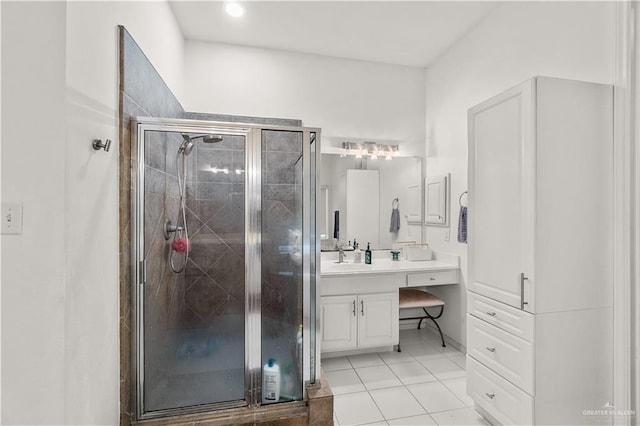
{"x":410,"y":33}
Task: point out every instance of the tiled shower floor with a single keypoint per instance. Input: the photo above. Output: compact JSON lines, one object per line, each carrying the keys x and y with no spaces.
{"x":425,"y":384}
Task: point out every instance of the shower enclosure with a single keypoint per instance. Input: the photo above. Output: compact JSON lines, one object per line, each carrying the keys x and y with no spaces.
{"x":225,"y":263}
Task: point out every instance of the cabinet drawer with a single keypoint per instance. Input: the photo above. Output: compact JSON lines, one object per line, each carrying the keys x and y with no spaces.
{"x":512,"y":320}
{"x":502,"y":352}
{"x":501,"y":399}
{"x":432,"y":278}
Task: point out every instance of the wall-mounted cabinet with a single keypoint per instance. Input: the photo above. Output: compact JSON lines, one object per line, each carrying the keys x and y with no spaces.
{"x":363,"y":206}
{"x":414,"y":204}
{"x":436,"y":196}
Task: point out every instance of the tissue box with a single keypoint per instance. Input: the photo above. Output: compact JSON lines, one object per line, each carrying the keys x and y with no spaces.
{"x":418,"y":252}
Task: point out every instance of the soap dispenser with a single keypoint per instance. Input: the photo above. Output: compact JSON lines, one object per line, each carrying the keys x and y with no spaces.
{"x":367,"y":254}
{"x":357,"y":255}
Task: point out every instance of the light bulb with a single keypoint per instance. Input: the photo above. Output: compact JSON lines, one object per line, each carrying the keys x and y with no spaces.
{"x":234,"y":8}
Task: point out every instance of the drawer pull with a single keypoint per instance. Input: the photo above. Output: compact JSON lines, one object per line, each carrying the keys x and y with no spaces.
{"x":491,"y":395}
{"x":491,"y":314}
{"x":432,"y":278}
{"x":491,"y":349}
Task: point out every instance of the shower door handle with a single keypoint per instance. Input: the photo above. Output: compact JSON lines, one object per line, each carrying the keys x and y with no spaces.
{"x":143,"y":271}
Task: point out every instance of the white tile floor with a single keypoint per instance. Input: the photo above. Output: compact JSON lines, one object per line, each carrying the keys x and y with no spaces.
{"x":425,"y":384}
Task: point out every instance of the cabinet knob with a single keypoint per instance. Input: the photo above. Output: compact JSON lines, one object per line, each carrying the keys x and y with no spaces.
{"x":491,"y":395}
{"x":491,"y":314}
{"x":491,"y":349}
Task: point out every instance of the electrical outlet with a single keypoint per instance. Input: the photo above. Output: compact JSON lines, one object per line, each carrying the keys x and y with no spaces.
{"x":447,"y":235}
{"x":11,"y":218}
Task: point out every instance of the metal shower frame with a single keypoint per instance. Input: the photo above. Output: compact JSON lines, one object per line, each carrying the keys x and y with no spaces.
{"x":253,"y":233}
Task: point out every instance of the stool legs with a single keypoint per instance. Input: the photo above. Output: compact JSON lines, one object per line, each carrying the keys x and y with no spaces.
{"x":433,"y":319}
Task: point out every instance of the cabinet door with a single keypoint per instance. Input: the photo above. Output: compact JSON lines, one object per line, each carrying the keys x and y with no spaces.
{"x":378,"y":320}
{"x":338,"y":316}
{"x":500,"y":227}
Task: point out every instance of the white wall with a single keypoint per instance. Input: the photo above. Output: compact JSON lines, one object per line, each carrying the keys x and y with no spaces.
{"x":33,"y":161}
{"x":60,"y":277}
{"x":345,"y":98}
{"x":516,"y":42}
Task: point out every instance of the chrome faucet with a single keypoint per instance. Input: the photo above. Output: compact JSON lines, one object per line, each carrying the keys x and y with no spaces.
{"x":340,"y":255}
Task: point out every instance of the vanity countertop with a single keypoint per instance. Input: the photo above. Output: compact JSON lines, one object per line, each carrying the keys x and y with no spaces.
{"x":329,"y":268}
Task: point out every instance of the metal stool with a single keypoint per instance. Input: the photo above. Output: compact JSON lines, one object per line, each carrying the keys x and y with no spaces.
{"x":414,"y":298}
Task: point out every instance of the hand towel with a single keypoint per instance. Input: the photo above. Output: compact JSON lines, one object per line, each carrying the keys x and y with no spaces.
{"x":462,"y":225}
{"x":395,"y":220}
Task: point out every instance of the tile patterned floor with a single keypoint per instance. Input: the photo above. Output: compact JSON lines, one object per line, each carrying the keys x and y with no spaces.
{"x":425,"y":384}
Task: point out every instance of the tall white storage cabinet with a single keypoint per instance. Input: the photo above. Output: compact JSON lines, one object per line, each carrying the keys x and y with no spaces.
{"x":539,"y":319}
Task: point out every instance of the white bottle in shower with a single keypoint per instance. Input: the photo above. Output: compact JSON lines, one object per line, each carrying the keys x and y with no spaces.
{"x":270,"y":381}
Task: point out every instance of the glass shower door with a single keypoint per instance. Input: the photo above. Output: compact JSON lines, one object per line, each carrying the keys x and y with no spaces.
{"x":225,"y":262}
{"x":194,"y":257}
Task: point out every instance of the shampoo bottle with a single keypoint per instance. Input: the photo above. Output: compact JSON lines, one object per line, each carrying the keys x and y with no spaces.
{"x":367,"y":254}
{"x":270,"y":381}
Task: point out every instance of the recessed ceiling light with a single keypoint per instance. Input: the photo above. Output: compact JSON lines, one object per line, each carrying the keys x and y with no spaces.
{"x":234,"y":8}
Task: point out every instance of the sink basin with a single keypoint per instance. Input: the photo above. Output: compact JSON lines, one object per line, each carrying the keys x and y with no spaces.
{"x":344,"y":266}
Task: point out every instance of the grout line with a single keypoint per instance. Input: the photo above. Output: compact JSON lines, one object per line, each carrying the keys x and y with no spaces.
{"x":402,"y":385}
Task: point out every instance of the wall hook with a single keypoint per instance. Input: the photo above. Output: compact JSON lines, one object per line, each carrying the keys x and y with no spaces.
{"x":97,"y":144}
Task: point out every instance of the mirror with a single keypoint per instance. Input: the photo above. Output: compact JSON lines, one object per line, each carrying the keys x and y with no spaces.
{"x":363,"y":192}
{"x":436,"y":198}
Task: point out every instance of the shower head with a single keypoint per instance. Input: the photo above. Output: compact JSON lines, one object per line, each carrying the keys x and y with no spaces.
{"x":189,"y":141}
{"x":205,"y":138}
{"x":211,"y":138}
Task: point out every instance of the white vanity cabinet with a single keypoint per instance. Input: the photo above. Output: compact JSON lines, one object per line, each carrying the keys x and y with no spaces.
{"x":359,"y":303}
{"x":359,"y":321}
{"x":540,"y":253}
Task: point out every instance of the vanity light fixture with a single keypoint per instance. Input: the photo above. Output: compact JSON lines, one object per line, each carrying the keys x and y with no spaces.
{"x":234,"y":8}
{"x":370,"y":149}
{"x":224,"y":170}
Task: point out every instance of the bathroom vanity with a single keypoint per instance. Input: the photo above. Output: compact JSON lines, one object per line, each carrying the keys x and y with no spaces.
{"x":359,"y":302}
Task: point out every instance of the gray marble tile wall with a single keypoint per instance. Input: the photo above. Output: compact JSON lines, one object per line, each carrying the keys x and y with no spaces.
{"x":142,"y":92}
{"x":215,"y":274}
{"x":281,"y":232}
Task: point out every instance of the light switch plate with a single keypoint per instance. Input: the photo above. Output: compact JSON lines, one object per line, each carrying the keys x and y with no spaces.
{"x":11,"y":218}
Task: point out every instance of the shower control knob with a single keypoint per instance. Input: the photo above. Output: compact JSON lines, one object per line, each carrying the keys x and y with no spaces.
{"x":97,"y":144}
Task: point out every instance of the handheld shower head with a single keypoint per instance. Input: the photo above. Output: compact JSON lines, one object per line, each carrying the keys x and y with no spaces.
{"x":186,"y":146}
